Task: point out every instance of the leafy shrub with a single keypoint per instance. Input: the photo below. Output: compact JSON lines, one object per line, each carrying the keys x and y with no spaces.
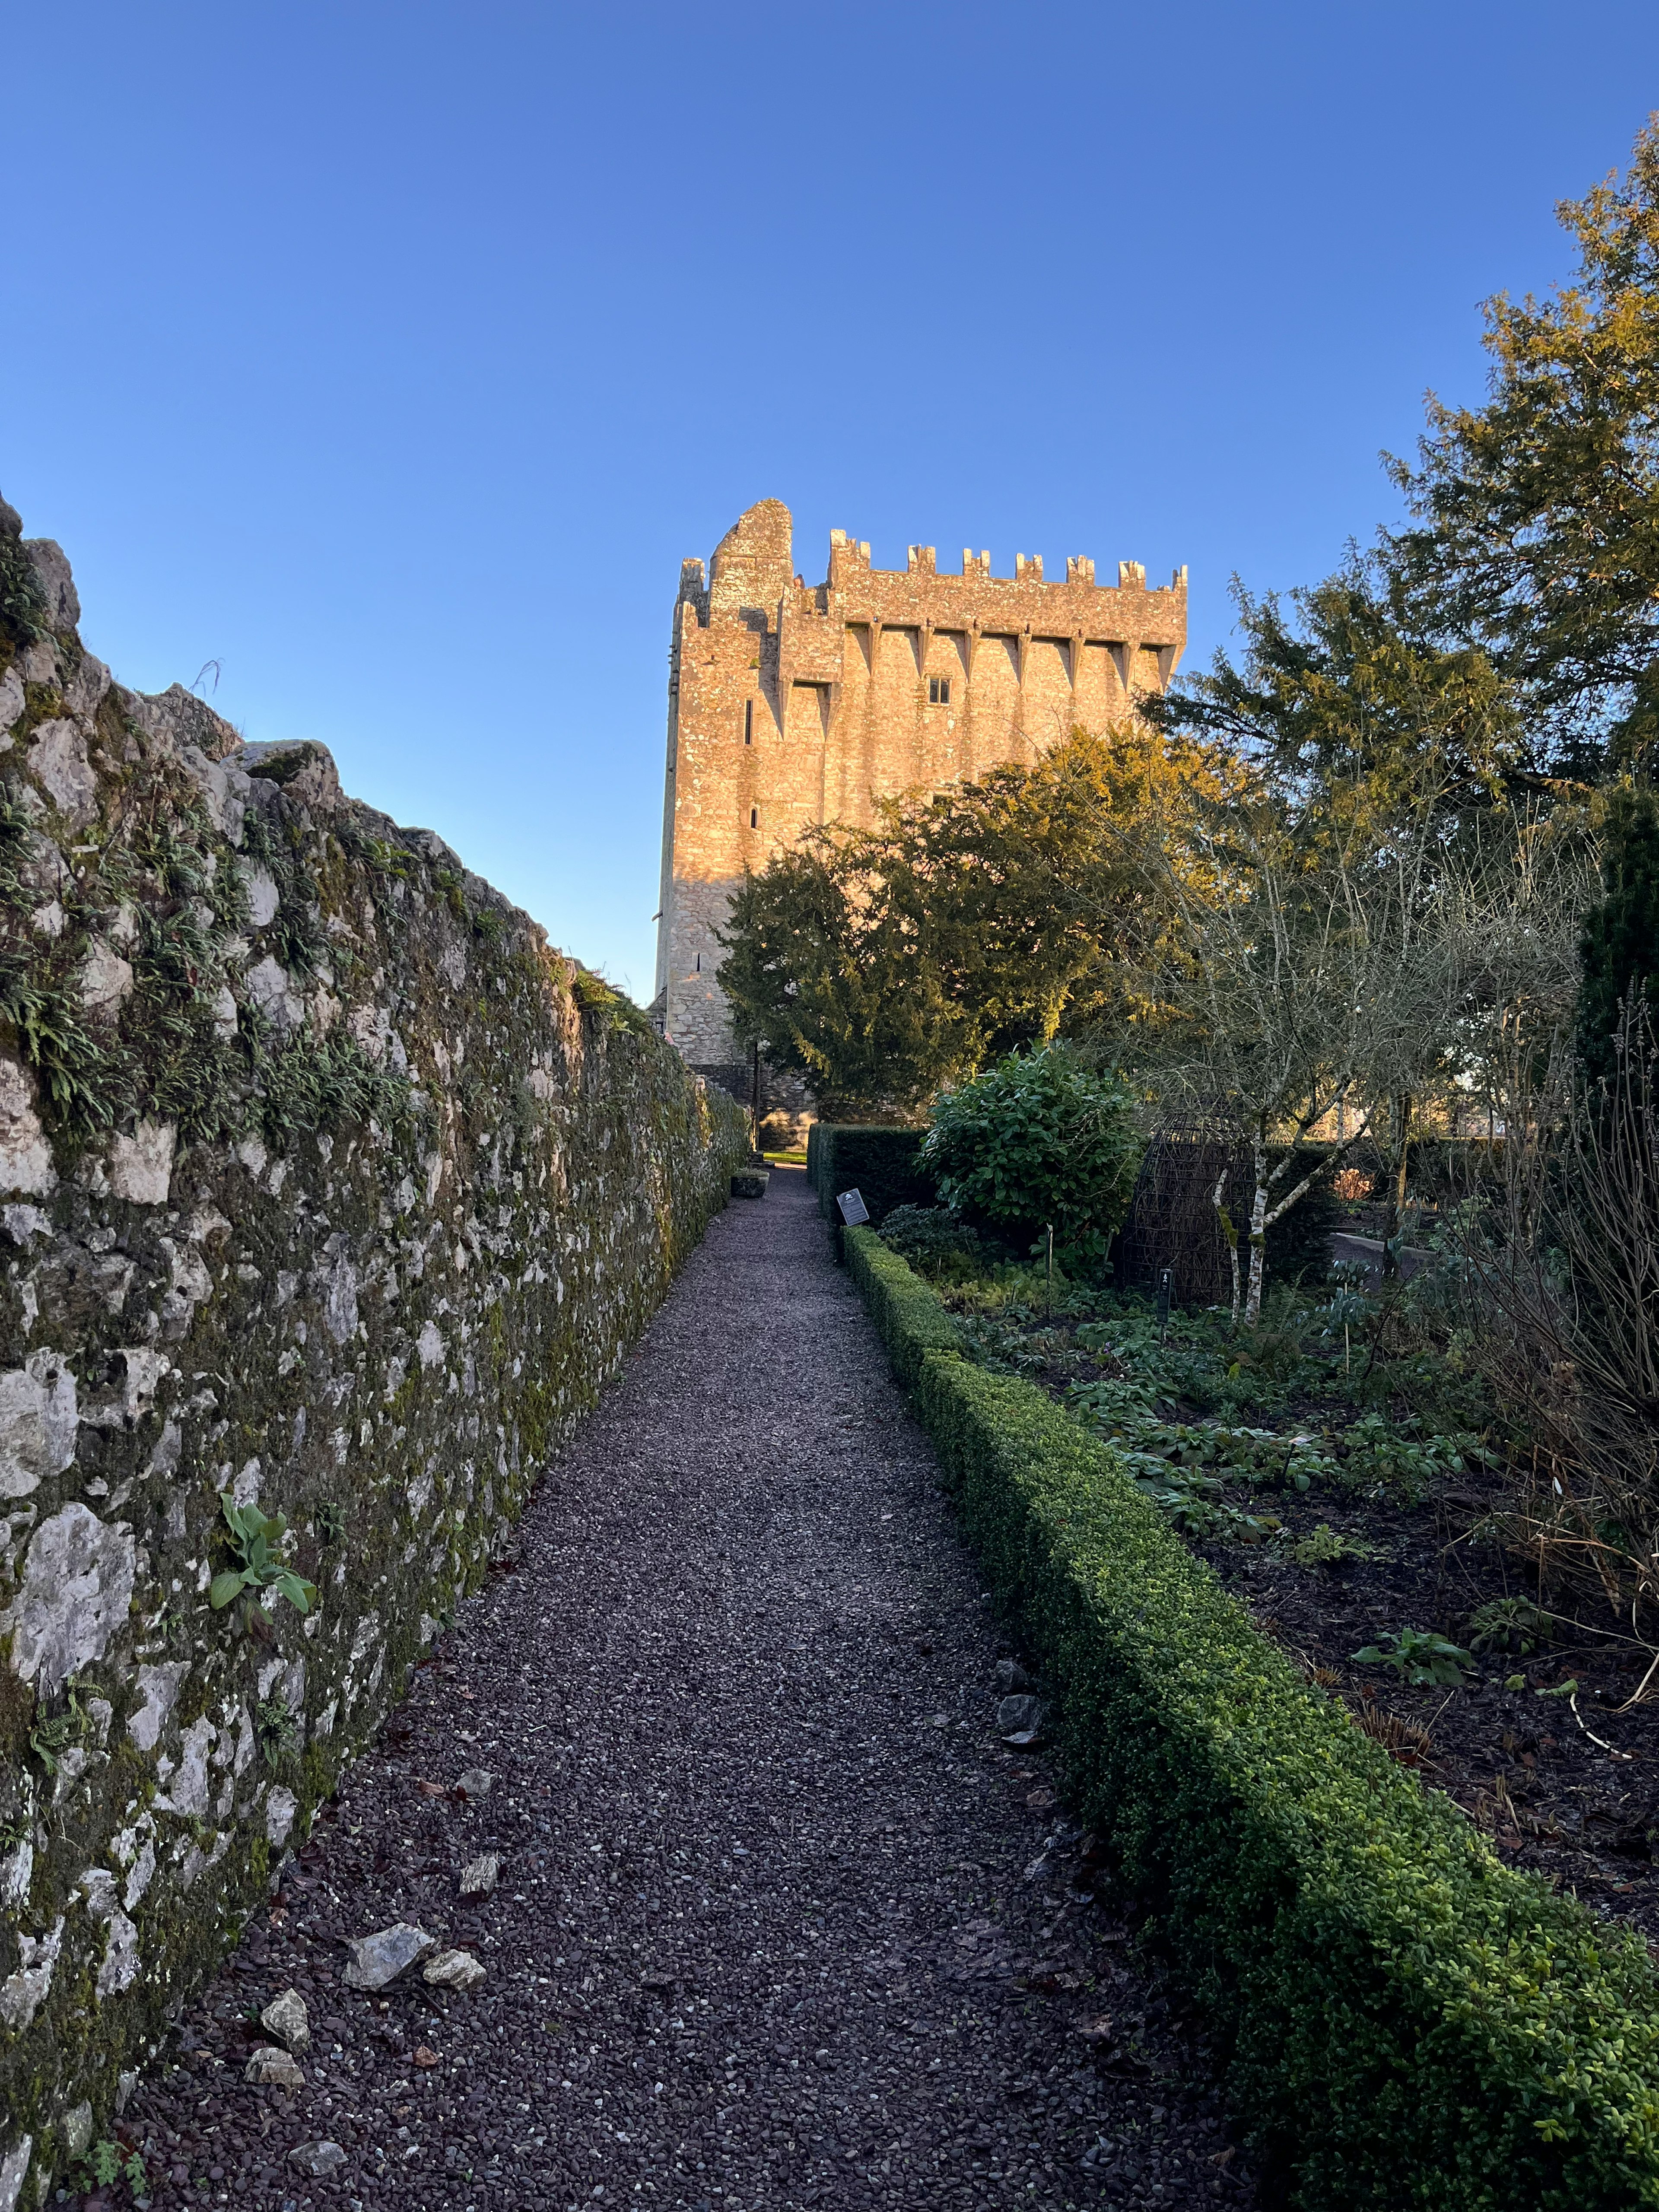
{"x":1039,"y":1140}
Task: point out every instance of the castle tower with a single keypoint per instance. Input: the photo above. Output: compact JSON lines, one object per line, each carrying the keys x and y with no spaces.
{"x":790,"y":704}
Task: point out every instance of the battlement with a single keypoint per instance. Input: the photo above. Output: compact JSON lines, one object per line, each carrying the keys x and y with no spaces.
{"x":792,"y":704}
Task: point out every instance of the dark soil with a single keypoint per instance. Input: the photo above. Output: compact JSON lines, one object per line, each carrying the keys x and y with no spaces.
{"x":1525,"y":1764}
{"x":781,"y":1922}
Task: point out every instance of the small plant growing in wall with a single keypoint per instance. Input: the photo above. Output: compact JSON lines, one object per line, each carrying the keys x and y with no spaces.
{"x":54,"y":1733}
{"x":329,"y":1521}
{"x":255,"y":1538}
{"x":275,"y":1730}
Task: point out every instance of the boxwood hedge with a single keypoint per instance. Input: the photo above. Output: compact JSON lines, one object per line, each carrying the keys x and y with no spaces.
{"x":1408,"y":2022}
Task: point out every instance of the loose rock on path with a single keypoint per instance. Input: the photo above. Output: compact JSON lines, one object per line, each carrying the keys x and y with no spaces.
{"x":779,"y":1920}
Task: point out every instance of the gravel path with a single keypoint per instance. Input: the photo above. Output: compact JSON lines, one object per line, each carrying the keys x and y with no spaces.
{"x":781,"y":1921}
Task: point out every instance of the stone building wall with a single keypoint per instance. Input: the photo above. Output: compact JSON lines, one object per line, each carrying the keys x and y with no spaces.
{"x":791,"y":704}
{"x":327,"y":1187}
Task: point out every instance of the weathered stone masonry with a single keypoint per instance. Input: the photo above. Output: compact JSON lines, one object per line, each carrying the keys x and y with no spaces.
{"x":791,"y":704}
{"x":324,"y":1183}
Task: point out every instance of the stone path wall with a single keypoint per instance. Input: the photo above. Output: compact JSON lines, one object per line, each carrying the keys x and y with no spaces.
{"x":328,"y":1191}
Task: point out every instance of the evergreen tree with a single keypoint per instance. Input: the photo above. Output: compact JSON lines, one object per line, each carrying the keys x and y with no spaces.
{"x":1620,"y":941}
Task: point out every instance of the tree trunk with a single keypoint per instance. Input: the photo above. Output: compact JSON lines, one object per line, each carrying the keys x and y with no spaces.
{"x":1397,"y":1172}
{"x":1228,"y":1229}
{"x":1258,"y":1233}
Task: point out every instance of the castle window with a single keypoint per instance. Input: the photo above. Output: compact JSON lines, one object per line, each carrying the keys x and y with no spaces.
{"x":754,"y":817}
{"x":748,"y":721}
{"x":939,"y":690}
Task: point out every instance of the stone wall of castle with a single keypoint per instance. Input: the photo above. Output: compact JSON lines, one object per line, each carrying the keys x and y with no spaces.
{"x":327,"y":1190}
{"x":791,"y":704}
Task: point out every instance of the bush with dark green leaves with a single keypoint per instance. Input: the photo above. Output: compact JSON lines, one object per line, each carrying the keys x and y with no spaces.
{"x":1039,"y":1140}
{"x":1408,"y":2023}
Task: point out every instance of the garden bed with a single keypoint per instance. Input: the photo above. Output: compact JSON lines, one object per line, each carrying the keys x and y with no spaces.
{"x":1405,"y":2019}
{"x":1345,"y":1499}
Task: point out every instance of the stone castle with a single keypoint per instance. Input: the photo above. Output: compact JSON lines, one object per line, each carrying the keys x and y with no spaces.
{"x":790,"y":704}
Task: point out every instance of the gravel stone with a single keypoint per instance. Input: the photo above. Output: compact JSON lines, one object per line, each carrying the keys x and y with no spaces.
{"x":764,"y":1941}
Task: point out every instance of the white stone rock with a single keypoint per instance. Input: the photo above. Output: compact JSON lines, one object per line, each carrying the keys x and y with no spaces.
{"x":11,"y":697}
{"x":88,"y":687}
{"x":22,"y":1995}
{"x":454,"y":1970}
{"x":77,"y":2131}
{"x":57,"y":761}
{"x":188,"y":1788}
{"x":274,"y":2069}
{"x":14,"y":2172}
{"x":26,"y":1163}
{"x":272,"y":990}
{"x":430,"y":1346}
{"x":263,"y":896}
{"x":17,"y":1872}
{"x":125,"y":2082}
{"x":144,"y":1873}
{"x":48,"y":921}
{"x":39,"y":1420}
{"x":105,"y":981}
{"x":224,"y":1013}
{"x":224,"y":785}
{"x":159,"y":1686}
{"x":378,"y":1959}
{"x":119,"y":1970}
{"x":339,"y":1293}
{"x":141,"y":1165}
{"x":280,"y":1809}
{"x":286,"y":2018}
{"x":316,"y":2159}
{"x":480,"y":1875}
{"x":53,"y":575}
{"x":76,"y":1588}
{"x":477,"y":1782}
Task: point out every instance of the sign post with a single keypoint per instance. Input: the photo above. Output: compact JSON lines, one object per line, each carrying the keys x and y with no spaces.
{"x":853,"y":1209}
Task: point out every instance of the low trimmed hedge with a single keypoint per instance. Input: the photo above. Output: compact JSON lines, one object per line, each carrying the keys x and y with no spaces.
{"x":883,"y":1164}
{"x":1410,"y":2023}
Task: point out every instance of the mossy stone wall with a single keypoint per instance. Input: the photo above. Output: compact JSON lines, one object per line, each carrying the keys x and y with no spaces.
{"x":325,"y":1184}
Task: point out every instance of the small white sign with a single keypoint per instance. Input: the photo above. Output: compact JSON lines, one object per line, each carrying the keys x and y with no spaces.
{"x":852,"y":1208}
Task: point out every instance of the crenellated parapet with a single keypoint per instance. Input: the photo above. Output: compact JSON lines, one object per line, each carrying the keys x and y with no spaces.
{"x":792,"y":704}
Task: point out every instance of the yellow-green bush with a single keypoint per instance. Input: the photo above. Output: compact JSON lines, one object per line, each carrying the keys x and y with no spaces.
{"x":1407,"y":2022}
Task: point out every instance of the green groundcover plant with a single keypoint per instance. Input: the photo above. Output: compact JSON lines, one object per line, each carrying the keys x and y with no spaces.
{"x":1406,"y":2022}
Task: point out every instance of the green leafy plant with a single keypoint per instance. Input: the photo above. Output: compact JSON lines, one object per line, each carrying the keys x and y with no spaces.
{"x":1419,"y":1657}
{"x":1508,"y":1624}
{"x":255,"y":1538}
{"x":329,"y":1521}
{"x":1324,"y":1547}
{"x":276,"y":1730}
{"x":54,"y":1733}
{"x":1039,"y":1140}
{"x":107,"y":2163}
{"x":1393,"y":1455}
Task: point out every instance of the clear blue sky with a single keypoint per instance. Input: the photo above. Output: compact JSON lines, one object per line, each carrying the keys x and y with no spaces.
{"x":393,"y":352}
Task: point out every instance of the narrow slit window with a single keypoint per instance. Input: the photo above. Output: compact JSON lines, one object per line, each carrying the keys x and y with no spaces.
{"x":698,"y":970}
{"x":748,"y":721}
{"x":939,"y":690}
{"x":754,"y":817}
